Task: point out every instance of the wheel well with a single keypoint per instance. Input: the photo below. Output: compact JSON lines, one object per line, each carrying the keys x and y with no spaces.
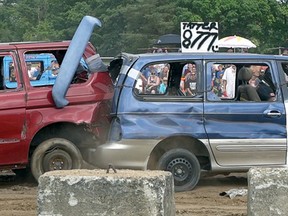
{"x":77,"y":134}
{"x":189,"y":143}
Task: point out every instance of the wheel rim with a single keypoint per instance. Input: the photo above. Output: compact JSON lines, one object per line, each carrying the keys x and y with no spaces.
{"x":57,"y":159}
{"x":181,"y":169}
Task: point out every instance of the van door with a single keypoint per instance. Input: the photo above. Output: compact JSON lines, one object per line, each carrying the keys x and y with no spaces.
{"x":12,"y":115}
{"x":244,"y":132}
{"x":154,"y":104}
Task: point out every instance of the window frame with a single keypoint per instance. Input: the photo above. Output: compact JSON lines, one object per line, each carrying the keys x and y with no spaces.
{"x":172,"y":81}
{"x":238,"y":63}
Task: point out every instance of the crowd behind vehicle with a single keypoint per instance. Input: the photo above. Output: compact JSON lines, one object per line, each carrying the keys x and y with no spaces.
{"x":154,"y":80}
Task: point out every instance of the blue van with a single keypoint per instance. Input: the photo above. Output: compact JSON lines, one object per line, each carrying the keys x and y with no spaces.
{"x":190,"y":113}
{"x":43,"y":75}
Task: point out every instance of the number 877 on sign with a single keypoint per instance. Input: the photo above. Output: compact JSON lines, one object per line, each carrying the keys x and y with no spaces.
{"x":199,"y":36}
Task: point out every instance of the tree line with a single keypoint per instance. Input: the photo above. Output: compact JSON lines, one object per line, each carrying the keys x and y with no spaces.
{"x":133,"y":25}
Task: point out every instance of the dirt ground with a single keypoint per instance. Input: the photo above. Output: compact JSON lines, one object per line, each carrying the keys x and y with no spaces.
{"x":20,"y":198}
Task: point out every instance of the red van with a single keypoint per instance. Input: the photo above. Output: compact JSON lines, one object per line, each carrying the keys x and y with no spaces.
{"x":35,"y":133}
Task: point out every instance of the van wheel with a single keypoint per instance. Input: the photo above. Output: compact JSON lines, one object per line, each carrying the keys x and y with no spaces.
{"x":184,"y":167}
{"x":55,"y":154}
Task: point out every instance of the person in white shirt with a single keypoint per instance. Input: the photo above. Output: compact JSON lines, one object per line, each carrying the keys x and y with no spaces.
{"x":229,"y":81}
{"x":31,"y":71}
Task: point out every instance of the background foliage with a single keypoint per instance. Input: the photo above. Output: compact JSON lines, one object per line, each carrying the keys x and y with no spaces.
{"x":132,"y":25}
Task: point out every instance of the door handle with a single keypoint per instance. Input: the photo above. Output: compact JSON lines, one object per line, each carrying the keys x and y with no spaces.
{"x":273,"y":113}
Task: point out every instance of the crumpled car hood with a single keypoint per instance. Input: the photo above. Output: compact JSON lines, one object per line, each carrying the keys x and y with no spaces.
{"x":72,"y":58}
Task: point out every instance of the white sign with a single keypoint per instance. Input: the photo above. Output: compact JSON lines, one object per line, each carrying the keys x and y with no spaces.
{"x":199,"y":36}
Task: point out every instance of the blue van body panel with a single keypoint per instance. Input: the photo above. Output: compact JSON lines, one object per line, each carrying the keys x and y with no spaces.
{"x":117,"y":91}
{"x":231,"y":121}
{"x":222,"y":120}
{"x":160,"y":127}
{"x":160,"y":119}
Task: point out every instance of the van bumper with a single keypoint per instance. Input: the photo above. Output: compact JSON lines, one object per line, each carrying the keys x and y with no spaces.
{"x":125,"y":154}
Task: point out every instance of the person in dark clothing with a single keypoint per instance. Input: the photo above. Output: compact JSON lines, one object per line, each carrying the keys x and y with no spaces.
{"x":190,"y":83}
{"x":266,"y":88}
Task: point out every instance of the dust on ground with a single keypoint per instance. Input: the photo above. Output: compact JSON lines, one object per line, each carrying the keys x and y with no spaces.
{"x":18,"y":198}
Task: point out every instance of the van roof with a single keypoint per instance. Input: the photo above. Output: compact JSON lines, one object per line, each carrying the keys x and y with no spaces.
{"x":37,"y":45}
{"x":218,"y":55}
{"x":33,"y":44}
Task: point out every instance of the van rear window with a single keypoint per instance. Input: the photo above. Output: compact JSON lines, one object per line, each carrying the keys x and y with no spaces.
{"x":241,"y":82}
{"x":168,"y":78}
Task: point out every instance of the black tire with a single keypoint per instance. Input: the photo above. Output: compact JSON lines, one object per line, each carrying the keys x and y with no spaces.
{"x":184,"y":167}
{"x":55,"y":154}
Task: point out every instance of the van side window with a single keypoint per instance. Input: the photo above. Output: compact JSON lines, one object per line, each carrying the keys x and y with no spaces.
{"x":42,"y":68}
{"x":175,"y":79}
{"x":9,"y":75}
{"x":153,"y":79}
{"x":241,"y":82}
{"x":35,"y":69}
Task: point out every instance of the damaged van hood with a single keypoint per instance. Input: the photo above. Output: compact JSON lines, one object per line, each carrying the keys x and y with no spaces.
{"x":72,"y":58}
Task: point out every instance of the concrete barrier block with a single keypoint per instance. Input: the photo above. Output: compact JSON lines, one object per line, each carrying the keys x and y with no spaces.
{"x":95,"y":192}
{"x":267,"y":191}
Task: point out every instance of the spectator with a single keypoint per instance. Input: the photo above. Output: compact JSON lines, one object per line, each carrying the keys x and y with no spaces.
{"x":182,"y":85}
{"x":229,"y":80}
{"x":230,"y":50}
{"x":244,"y":50}
{"x":285,"y":52}
{"x":32,"y":71}
{"x":54,"y":74}
{"x":254,"y":81}
{"x":153,"y":83}
{"x":217,"y":74}
{"x":139,"y":85}
{"x":54,"y":64}
{"x":147,"y":71}
{"x":12,"y":77}
{"x":159,"y":68}
{"x":165,"y":72}
{"x":220,"y":71}
{"x":163,"y":85}
{"x":266,"y":88}
{"x":190,"y":83}
{"x":188,"y":68}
